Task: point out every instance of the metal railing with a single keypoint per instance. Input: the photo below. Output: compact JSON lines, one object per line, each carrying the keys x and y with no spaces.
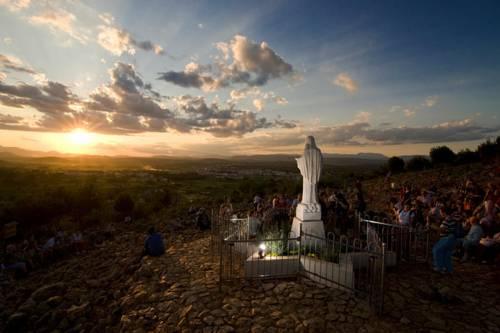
{"x":406,"y":243}
{"x":339,"y":262}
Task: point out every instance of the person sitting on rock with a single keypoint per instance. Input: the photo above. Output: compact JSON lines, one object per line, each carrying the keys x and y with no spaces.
{"x":153,"y":246}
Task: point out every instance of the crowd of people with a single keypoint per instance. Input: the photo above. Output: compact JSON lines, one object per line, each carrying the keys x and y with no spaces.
{"x":338,"y":209}
{"x":464,"y":217}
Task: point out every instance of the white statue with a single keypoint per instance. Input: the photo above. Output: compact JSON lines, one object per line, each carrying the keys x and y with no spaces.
{"x":310,"y":168}
{"x":308,"y":212}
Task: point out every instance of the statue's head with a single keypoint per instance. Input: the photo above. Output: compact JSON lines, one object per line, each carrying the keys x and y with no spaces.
{"x":310,"y":143}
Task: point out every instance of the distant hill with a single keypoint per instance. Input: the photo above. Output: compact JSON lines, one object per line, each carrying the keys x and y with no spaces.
{"x":52,"y":159}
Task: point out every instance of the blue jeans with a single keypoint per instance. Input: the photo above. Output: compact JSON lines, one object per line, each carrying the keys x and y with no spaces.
{"x":442,"y":252}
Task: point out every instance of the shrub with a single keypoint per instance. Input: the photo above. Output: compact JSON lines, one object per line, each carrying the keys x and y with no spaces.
{"x":396,"y":164}
{"x":442,"y":155}
{"x":418,"y":163}
{"x":124,"y":204}
{"x":466,"y":156}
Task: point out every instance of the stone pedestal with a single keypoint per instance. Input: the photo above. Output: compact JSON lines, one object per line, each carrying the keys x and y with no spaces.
{"x":311,"y":227}
{"x":309,"y":216}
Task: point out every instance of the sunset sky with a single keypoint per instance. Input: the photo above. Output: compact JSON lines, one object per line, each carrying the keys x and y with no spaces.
{"x":214,"y":78}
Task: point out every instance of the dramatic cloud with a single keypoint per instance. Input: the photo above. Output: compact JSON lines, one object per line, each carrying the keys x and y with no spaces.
{"x":241,"y":62}
{"x":13,"y":63}
{"x":118,"y":41}
{"x":126,"y":105}
{"x":223,"y":122}
{"x":59,"y":20}
{"x":344,"y":81}
{"x":15,"y":5}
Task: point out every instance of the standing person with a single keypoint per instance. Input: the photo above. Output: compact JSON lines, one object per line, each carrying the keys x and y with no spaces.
{"x":443,"y":249}
{"x":154,"y":246}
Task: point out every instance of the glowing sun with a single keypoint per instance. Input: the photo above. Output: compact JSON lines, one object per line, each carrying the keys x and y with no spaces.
{"x":80,"y":137}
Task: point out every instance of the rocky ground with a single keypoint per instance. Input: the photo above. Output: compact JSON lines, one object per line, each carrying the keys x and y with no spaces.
{"x":111,"y":289}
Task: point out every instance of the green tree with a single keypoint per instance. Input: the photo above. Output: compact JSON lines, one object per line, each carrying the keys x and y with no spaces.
{"x":396,"y":164}
{"x":442,"y":155}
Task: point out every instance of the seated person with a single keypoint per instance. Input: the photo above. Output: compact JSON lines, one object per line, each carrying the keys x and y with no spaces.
{"x":471,"y":240}
{"x":489,"y":247}
{"x":153,"y":246}
{"x":202,"y":219}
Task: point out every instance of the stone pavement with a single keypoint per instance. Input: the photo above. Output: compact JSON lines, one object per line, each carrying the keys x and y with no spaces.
{"x":110,"y":289}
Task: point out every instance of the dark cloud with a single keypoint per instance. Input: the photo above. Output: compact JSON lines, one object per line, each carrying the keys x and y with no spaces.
{"x":189,"y":80}
{"x":242,"y":62}
{"x":51,"y":98}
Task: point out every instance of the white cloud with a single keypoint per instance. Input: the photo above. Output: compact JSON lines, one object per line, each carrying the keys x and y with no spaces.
{"x":107,"y":18}
{"x":252,"y":65}
{"x":201,"y":26}
{"x":7,"y":40}
{"x":15,"y":5}
{"x":40,"y":78}
{"x":118,"y":41}
{"x":115,"y":40}
{"x":409,"y":112}
{"x":60,"y":20}
{"x":430,"y":101}
{"x":343,"y":80}
{"x":362,"y":117}
{"x":259,"y":104}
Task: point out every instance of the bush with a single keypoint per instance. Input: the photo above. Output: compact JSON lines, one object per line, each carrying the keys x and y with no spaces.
{"x":466,"y":156}
{"x":442,"y":155}
{"x":396,"y":164}
{"x":489,"y":150}
{"x":124,"y":204}
{"x":418,"y":163}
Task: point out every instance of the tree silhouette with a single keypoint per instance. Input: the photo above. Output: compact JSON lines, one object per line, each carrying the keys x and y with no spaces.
{"x":418,"y":163}
{"x":442,"y":155}
{"x":396,"y":164}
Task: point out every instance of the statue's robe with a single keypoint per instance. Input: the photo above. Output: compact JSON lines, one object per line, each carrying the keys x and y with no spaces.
{"x":310,"y":168}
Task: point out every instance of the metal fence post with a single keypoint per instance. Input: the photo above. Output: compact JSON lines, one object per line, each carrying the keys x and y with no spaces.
{"x":382,"y":275}
{"x":221,"y":245}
